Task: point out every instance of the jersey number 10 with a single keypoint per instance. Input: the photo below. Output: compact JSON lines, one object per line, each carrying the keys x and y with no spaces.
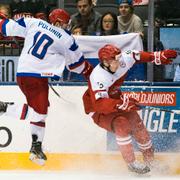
{"x":40,"y":45}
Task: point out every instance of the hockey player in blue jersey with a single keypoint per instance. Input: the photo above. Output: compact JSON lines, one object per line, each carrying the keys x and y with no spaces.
{"x":47,"y":51}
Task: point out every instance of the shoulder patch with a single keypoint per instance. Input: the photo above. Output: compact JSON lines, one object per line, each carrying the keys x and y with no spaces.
{"x":74,"y":46}
{"x":68,"y":32}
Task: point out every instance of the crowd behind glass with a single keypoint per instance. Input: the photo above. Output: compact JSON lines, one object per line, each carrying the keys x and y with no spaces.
{"x":118,"y":17}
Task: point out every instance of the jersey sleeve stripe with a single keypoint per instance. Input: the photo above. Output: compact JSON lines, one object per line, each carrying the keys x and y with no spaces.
{"x":74,"y":46}
{"x":40,"y":75}
{"x":3,"y":27}
{"x":102,"y":90}
{"x":76,"y":64}
{"x":21,"y":22}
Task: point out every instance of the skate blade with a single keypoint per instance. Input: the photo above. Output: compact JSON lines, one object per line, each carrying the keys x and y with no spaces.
{"x":144,"y":172}
{"x":140,"y":175}
{"x":36,"y":160}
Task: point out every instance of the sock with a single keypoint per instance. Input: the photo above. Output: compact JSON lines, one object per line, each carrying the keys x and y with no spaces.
{"x":126,"y":148}
{"x":38,"y":128}
{"x":147,"y":151}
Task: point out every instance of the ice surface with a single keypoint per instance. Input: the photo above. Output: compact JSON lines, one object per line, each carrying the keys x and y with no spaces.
{"x":70,"y":175}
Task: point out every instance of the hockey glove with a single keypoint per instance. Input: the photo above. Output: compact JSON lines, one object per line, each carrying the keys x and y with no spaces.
{"x":87,"y":70}
{"x":164,"y":57}
{"x":128,"y":104}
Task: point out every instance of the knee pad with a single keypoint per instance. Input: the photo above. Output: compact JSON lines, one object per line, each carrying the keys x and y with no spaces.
{"x":121,"y":126}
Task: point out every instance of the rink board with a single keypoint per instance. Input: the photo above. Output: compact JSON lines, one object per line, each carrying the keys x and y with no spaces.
{"x":72,"y":140}
{"x":163,"y":125}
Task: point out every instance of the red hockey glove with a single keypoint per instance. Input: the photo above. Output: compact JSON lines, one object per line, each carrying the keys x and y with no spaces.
{"x":87,"y":70}
{"x":164,"y":57}
{"x":128,"y":104}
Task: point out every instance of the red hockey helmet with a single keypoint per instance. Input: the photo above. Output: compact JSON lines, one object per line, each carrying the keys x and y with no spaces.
{"x":108,"y":52}
{"x":59,"y":15}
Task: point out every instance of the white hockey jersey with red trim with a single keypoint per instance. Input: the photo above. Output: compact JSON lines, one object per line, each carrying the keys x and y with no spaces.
{"x":47,"y":49}
{"x":101,"y":80}
{"x":104,"y":92}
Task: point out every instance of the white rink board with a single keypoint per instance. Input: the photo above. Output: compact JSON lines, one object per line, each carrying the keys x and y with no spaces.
{"x":68,"y":130}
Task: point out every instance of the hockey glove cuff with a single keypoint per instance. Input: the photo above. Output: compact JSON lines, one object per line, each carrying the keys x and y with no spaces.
{"x":128,"y":104}
{"x":87,"y":70}
{"x":164,"y":57}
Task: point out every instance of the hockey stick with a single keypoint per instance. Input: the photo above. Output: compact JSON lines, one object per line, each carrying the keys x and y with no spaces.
{"x":57,"y":94}
{"x":159,"y":109}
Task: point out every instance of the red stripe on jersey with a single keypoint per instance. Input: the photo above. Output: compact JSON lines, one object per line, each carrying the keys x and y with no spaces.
{"x":40,"y":124}
{"x":134,"y":56}
{"x":1,"y":24}
{"x":99,"y":91}
{"x":24,"y":112}
{"x":75,"y":66}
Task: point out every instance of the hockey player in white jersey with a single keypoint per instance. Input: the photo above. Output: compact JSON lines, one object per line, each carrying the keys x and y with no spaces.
{"x":47,"y":50}
{"x":116,"y":113}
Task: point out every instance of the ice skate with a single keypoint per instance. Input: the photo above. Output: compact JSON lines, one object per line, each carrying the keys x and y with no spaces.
{"x":138,"y":167}
{"x":3,"y":106}
{"x":36,"y":154}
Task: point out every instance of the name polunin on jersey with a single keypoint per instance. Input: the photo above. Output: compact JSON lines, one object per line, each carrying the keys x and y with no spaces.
{"x":50,"y":29}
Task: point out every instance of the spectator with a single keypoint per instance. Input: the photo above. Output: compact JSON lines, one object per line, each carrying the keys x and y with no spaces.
{"x":94,"y":2}
{"x":28,"y":8}
{"x":108,"y":24}
{"x":5,"y":9}
{"x":128,"y":21}
{"x":77,"y":30}
{"x":7,"y":41}
{"x":87,"y":16}
{"x":168,"y":11}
